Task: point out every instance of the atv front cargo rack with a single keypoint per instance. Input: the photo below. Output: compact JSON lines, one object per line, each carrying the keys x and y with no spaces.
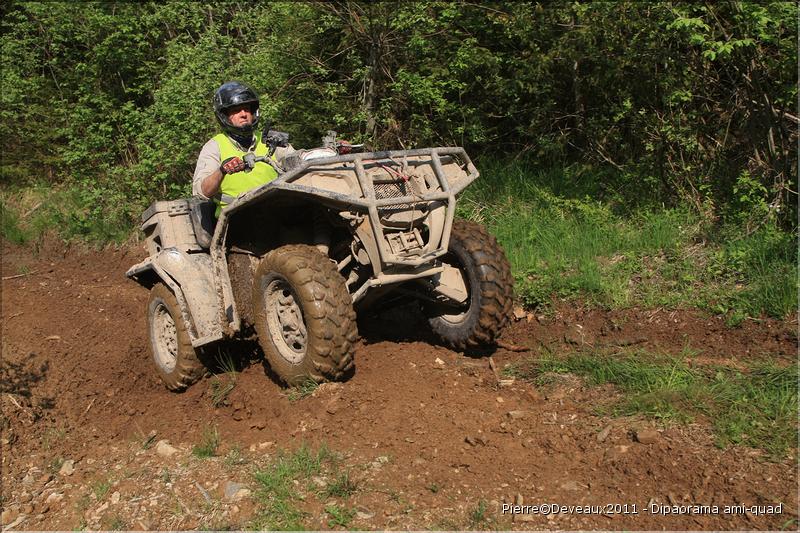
{"x":368,"y":202}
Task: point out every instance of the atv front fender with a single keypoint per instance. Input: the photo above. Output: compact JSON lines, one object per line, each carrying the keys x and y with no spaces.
{"x":190,"y":278}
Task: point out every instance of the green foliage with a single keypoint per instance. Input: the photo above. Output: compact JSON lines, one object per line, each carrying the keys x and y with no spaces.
{"x":343,"y":486}
{"x":207,"y":447}
{"x":65,"y":210}
{"x":9,"y":225}
{"x":339,"y":516}
{"x":303,"y":390}
{"x":756,"y":406}
{"x":760,"y":268}
{"x":669,"y":102}
{"x":276,"y":494}
{"x":101,"y":488}
{"x":563,"y":240}
{"x":478,"y":516}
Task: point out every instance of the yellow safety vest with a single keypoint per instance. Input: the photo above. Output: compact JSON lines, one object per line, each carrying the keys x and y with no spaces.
{"x":240,"y":182}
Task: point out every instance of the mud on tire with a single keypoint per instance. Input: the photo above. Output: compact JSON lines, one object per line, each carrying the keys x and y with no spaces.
{"x":486,"y":271}
{"x":304,"y":315}
{"x":175,"y":359}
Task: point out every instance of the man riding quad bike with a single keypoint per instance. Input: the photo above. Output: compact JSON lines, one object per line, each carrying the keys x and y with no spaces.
{"x":293,"y":258}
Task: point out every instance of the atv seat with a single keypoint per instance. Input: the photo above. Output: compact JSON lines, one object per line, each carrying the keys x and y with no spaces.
{"x":201,"y":212}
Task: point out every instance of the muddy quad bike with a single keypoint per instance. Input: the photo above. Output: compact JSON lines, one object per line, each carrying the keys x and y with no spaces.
{"x":293,"y":258}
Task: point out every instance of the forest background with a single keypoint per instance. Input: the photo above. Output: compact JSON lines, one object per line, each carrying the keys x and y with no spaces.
{"x":631,"y":153}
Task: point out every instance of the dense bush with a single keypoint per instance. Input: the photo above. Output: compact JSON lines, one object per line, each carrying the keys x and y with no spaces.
{"x":663,"y":102}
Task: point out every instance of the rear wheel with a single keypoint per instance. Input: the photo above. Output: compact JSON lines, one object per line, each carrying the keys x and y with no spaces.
{"x":175,"y":359}
{"x":487,"y":275}
{"x":303,"y":315}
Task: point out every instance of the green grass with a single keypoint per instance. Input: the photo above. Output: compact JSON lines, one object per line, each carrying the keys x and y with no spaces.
{"x":235,"y":456}
{"x":208,"y":445}
{"x":74,"y":213}
{"x":339,"y":516}
{"x":220,"y":389}
{"x":221,"y":386}
{"x":564,"y":241}
{"x":478,"y":517}
{"x":342,"y":487}
{"x":277,"y":494}
{"x":303,"y":390}
{"x":756,"y":406}
{"x":9,"y":225}
{"x":101,"y":488}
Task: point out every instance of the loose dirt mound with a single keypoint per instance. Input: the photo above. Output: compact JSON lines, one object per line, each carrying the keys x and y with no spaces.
{"x":431,"y":437}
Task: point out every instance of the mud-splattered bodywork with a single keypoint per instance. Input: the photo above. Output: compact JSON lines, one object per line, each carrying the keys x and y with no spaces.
{"x":384,"y":218}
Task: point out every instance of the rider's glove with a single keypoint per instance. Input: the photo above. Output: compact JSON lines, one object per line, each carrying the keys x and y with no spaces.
{"x":231,"y":165}
{"x":345,"y":147}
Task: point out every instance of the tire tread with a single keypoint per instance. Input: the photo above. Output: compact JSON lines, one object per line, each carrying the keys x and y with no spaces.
{"x":327,"y":309}
{"x":496,"y":289}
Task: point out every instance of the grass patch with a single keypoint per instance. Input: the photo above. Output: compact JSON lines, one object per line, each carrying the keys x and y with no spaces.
{"x":563,"y":242}
{"x":101,"y":488}
{"x":221,"y":387}
{"x":277,"y":495}
{"x":55,"y":464}
{"x":478,"y":517}
{"x":339,"y":516}
{"x":73,"y":212}
{"x":756,"y":407}
{"x":235,"y":457}
{"x":342,"y":487}
{"x":299,"y":392}
{"x":9,"y":225}
{"x":208,"y":445}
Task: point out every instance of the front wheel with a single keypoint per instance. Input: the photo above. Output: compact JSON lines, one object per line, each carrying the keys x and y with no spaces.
{"x":175,"y":359}
{"x":304,"y":315}
{"x":487,"y":276}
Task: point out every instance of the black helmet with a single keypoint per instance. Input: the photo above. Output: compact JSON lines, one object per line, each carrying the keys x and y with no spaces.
{"x":231,"y":94}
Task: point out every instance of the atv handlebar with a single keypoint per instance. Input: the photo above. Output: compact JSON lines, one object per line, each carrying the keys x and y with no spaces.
{"x":275,"y":139}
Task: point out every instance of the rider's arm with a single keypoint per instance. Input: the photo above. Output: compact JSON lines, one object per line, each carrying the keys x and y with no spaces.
{"x":207,"y":175}
{"x":210,"y":185}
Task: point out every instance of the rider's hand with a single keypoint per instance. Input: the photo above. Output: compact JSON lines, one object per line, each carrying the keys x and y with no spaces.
{"x":231,"y":165}
{"x":345,"y":147}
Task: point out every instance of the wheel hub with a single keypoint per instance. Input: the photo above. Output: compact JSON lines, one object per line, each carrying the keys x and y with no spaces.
{"x":285,"y":321}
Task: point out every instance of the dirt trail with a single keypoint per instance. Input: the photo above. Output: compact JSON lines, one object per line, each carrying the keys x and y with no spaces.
{"x":428,"y":433}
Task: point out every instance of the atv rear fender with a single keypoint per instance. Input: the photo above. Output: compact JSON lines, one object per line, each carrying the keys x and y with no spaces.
{"x":190,"y":278}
